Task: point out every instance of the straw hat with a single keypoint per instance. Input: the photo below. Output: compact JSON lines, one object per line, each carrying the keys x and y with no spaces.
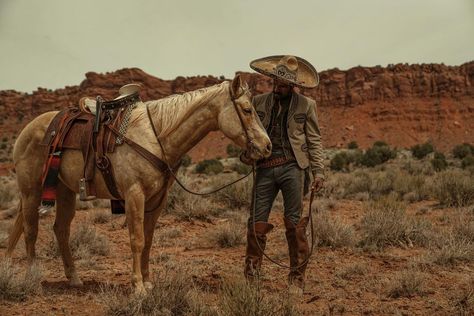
{"x":292,"y":69}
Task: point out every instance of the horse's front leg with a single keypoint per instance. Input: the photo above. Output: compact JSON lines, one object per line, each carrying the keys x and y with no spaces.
{"x":134,"y":210}
{"x":149,"y":225}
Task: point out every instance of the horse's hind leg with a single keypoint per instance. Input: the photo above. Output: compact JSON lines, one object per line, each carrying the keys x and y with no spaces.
{"x":65,"y":210}
{"x":30,"y":203}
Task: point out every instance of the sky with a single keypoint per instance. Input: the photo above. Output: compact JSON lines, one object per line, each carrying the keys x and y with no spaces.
{"x":53,"y":43}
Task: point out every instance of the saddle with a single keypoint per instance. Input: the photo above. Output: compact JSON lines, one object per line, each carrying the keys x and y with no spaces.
{"x":96,"y":127}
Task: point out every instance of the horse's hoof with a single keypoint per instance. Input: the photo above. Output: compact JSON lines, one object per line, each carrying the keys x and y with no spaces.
{"x":140,"y":291}
{"x":148,"y":285}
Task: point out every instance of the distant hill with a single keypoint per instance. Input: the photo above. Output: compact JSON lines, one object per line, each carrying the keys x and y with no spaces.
{"x":401,"y":104}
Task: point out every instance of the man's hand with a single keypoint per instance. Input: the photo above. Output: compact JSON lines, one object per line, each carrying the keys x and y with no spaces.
{"x":318,"y":184}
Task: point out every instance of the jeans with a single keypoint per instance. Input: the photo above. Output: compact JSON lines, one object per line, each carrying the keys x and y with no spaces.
{"x":289,"y":178}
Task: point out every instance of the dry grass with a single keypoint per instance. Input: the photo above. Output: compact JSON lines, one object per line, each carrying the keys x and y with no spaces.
{"x":387,"y":224}
{"x":192,"y":207}
{"x":406,"y":284}
{"x":451,"y":251}
{"x":229,"y":234}
{"x":351,"y":271}
{"x":169,"y":296}
{"x":166,"y":236}
{"x":85,"y":240}
{"x":462,"y":301}
{"x":100,"y":216}
{"x":331,"y":232}
{"x":453,"y":187}
{"x":14,"y":287}
{"x":8,"y":192}
{"x":235,"y":196}
{"x":239,"y":298}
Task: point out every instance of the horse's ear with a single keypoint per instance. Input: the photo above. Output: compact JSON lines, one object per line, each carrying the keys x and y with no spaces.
{"x":236,"y":85}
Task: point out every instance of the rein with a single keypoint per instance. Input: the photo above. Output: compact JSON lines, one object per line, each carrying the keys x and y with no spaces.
{"x":250,"y":145}
{"x":279,"y":264}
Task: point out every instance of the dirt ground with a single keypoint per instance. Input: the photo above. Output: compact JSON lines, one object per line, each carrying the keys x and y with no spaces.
{"x":331,"y":288}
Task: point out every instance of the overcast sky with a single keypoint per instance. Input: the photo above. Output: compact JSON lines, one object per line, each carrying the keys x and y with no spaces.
{"x":53,"y":43}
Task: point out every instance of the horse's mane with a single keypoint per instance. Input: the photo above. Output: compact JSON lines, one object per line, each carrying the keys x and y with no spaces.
{"x":168,"y":113}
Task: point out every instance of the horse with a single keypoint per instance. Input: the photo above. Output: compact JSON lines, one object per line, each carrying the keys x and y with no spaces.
{"x":179,"y":121}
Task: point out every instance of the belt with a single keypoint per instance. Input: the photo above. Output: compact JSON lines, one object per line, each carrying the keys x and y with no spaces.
{"x":273,"y":162}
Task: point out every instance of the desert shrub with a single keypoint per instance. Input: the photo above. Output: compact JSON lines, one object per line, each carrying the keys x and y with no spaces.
{"x":350,"y":271}
{"x":467,"y":161}
{"x":8,"y":192}
{"x":166,"y":236}
{"x":186,"y":160}
{"x":343,"y":160}
{"x":229,"y":235}
{"x":420,"y":151}
{"x":235,"y":196}
{"x":451,"y":250}
{"x":241,"y":168}
{"x":406,"y":284}
{"x":332,"y":232}
{"x":377,"y":155}
{"x":352,"y":145}
{"x":100,"y":216}
{"x":463,"y":150}
{"x":239,"y":298}
{"x":380,"y":143}
{"x":453,"y":188}
{"x":209,"y":166}
{"x":3,"y":146}
{"x":339,"y":162}
{"x":439,"y":162}
{"x":387,"y":224}
{"x":233,"y":151}
{"x":169,"y":296}
{"x":17,"y":288}
{"x":193,"y":207}
{"x":85,"y":240}
{"x":417,"y":167}
{"x":413,"y":186}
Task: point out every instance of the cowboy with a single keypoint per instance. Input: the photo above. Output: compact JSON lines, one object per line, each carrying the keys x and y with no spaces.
{"x":291,"y":122}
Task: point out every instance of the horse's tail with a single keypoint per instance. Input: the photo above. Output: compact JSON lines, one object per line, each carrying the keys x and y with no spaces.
{"x":16,"y":231}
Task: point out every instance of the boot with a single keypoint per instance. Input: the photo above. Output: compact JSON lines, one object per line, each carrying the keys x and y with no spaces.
{"x":298,"y":249}
{"x":254,"y":252}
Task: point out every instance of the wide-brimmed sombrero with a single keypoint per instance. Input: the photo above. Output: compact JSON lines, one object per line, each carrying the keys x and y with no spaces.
{"x":292,"y":69}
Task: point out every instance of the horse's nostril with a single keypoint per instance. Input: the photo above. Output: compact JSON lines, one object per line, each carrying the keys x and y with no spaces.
{"x":269,"y":147}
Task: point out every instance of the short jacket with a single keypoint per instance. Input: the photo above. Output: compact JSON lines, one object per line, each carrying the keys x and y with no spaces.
{"x":303,"y":129}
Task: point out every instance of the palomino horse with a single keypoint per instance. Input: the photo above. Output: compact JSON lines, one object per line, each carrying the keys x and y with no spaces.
{"x":181,"y":121}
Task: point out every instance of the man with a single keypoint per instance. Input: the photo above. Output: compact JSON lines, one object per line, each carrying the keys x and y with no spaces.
{"x":291,"y":122}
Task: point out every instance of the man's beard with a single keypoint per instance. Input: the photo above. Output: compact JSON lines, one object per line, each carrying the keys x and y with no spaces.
{"x":279,"y":96}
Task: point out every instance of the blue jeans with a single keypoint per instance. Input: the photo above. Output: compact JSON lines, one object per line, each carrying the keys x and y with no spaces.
{"x":289,"y":178}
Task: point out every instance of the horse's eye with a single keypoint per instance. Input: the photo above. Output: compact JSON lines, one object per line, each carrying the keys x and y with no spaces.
{"x":247,"y":111}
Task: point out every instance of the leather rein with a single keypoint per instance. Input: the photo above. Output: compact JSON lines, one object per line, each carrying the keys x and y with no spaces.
{"x":164,"y":165}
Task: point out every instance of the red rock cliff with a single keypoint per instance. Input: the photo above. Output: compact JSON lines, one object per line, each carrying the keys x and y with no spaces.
{"x":401,"y":104}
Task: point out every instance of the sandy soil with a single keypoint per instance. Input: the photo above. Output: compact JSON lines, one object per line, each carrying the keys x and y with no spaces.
{"x":326,"y":291}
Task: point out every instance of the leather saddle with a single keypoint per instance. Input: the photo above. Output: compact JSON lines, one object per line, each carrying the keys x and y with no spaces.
{"x":95,"y":127}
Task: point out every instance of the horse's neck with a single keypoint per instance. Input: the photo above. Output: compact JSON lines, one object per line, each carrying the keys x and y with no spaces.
{"x":193,"y":129}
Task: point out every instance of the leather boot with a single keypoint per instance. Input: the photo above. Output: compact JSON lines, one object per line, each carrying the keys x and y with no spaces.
{"x":254,"y":252}
{"x":298,"y":249}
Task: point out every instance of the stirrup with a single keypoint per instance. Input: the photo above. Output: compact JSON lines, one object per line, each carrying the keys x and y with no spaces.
{"x":83,"y":192}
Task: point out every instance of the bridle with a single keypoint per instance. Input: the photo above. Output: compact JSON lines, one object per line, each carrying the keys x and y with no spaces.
{"x":250,"y":146}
